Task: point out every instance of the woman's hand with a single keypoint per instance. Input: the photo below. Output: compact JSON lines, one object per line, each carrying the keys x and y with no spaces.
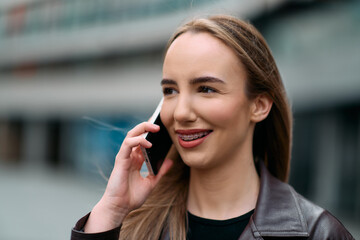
{"x":126,"y":189}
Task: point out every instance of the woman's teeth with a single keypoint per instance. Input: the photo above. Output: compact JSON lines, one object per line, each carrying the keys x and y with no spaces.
{"x":194,"y":136}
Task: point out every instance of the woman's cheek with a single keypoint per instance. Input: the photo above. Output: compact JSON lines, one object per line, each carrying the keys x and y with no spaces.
{"x":166,"y":115}
{"x":216,"y":112}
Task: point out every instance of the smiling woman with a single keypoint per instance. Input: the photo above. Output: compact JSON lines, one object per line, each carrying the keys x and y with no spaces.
{"x":208,"y":96}
{"x":226,"y":111}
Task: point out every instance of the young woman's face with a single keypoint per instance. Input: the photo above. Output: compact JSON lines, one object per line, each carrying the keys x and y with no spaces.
{"x":205,"y":109}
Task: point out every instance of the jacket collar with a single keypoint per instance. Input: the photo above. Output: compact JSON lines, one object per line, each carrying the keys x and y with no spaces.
{"x":277,"y":212}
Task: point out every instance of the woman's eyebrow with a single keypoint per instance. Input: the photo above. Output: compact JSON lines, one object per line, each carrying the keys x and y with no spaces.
{"x":168,"y":81}
{"x":194,"y":81}
{"x":206,"y":79}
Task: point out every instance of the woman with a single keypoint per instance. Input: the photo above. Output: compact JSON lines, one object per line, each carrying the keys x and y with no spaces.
{"x":226,"y":111}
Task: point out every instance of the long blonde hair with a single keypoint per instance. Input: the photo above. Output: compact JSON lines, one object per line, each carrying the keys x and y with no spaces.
{"x":165,"y":209}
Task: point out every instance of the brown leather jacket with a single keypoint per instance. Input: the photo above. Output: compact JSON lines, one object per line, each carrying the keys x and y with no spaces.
{"x":280,"y":212}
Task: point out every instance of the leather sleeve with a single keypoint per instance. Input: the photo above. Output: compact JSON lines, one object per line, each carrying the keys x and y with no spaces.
{"x":78,"y":234}
{"x":328,"y":227}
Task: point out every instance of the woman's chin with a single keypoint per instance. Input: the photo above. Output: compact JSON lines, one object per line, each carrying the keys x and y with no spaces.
{"x":198,"y":163}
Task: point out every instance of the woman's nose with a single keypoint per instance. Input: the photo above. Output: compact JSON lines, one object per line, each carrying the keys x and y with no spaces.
{"x":184,"y":111}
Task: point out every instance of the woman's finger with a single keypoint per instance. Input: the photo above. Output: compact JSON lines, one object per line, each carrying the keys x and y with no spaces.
{"x":143,"y":128}
{"x":137,"y":157}
{"x":129,"y":143}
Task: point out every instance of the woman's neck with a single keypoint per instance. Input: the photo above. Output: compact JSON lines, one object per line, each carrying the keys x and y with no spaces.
{"x":224,"y":192}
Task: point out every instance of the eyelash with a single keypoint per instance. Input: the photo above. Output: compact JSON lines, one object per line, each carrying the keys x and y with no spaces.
{"x":206,"y":89}
{"x":201,"y":89}
{"x":168,"y":91}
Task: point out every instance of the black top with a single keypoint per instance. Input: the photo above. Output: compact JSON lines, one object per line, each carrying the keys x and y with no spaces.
{"x":230,"y":229}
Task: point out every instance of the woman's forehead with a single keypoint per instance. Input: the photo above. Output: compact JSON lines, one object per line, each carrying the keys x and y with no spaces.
{"x":203,"y":42}
{"x":200,"y":53}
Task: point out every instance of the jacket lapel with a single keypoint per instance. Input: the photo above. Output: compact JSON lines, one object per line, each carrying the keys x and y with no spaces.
{"x":277,"y":212}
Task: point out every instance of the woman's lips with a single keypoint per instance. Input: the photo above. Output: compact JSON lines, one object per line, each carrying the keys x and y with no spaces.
{"x":192,"y":137}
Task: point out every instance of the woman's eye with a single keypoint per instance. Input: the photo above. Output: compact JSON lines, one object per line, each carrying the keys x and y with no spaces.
{"x":205,"y":89}
{"x":169,"y":91}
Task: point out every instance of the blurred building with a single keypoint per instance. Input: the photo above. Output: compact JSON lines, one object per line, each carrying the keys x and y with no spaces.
{"x":317,"y":48}
{"x":62,"y":61}
{"x":71,"y":68}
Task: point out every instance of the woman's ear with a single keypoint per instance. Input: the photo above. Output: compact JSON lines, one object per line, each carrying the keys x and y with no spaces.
{"x":260,"y":108}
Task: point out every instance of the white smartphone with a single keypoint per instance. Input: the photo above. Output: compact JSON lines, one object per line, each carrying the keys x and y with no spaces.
{"x":161,"y":143}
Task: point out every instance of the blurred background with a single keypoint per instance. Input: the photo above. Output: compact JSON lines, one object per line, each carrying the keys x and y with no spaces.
{"x":75,"y":75}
